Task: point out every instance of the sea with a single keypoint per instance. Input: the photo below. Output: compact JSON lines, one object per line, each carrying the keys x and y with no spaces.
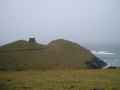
{"x":110,"y":53}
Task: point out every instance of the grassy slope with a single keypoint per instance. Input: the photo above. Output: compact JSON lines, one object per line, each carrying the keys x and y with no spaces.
{"x":56,"y":55}
{"x":20,"y":55}
{"x":60,"y":80}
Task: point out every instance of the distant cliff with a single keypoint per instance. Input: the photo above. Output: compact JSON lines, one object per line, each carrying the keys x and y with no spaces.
{"x":58,"y":54}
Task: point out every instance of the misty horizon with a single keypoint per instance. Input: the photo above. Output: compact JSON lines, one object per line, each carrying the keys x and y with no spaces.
{"x":84,"y":22}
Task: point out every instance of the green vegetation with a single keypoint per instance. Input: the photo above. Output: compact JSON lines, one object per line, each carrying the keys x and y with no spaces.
{"x":58,"y":54}
{"x":60,"y":65}
{"x":61,"y":80}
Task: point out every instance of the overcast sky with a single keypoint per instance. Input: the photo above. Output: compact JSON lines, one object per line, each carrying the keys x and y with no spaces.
{"x":82,"y":21}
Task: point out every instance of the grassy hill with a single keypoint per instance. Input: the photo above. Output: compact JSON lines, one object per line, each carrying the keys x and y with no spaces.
{"x":58,"y":54}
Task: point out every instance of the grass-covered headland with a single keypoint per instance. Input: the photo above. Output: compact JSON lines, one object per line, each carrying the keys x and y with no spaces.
{"x":59,"y":65}
{"x":58,"y":54}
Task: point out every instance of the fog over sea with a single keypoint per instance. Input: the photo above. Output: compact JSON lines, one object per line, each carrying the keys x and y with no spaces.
{"x":108,"y":53}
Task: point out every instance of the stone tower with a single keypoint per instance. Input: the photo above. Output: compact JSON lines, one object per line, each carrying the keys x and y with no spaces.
{"x":32,"y":40}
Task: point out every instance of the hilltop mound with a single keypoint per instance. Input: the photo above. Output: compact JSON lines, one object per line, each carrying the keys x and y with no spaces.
{"x":58,"y":54}
{"x":21,"y":44}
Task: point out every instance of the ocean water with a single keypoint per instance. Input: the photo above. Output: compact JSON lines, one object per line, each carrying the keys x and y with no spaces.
{"x":109,"y":53}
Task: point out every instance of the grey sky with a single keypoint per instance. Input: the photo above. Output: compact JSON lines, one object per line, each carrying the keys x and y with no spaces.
{"x":83,"y":21}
